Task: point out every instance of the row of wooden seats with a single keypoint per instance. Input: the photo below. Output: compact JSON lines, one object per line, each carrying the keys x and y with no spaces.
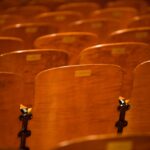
{"x":61,"y":103}
{"x":42,"y":35}
{"x":32,"y":10}
{"x":73,"y":101}
{"x":127,"y":55}
{"x":99,"y":142}
{"x":62,"y":16}
{"x":102,"y":27}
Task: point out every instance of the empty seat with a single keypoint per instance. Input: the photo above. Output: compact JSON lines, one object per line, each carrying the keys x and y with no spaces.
{"x":11,"y":95}
{"x":140,"y":5}
{"x":140,"y":21}
{"x":74,"y":101}
{"x":59,"y":18}
{"x":138,"y":117}
{"x":126,"y":54}
{"x":101,"y":27}
{"x":7,"y":19}
{"x":8,"y":44}
{"x":72,"y":42}
{"x":27,"y":11}
{"x":27,"y":63}
{"x":122,"y":14}
{"x":107,"y":142}
{"x":130,"y":35}
{"x":84,"y":7}
{"x":28,"y":31}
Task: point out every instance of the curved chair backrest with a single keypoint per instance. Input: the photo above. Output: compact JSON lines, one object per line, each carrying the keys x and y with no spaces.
{"x":140,"y":21}
{"x":28,"y":63}
{"x":122,"y":14}
{"x":130,"y":35}
{"x":101,"y":27}
{"x":27,"y":11}
{"x":97,"y":142}
{"x":72,"y":42}
{"x":74,"y":101}
{"x":85,"y":7}
{"x":8,"y":44}
{"x":11,"y":96}
{"x":138,"y":117}
{"x":126,"y":54}
{"x":59,"y":18}
{"x":140,"y":5}
{"x":9,"y":19}
{"x":28,"y":31}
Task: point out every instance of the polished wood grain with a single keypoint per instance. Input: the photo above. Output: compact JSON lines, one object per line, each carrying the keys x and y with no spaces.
{"x":27,"y":63}
{"x":122,"y":14}
{"x":72,"y":42}
{"x":126,"y":54}
{"x":130,"y":35}
{"x":74,"y":101}
{"x":84,"y":7}
{"x":28,"y":31}
{"x":101,"y":27}
{"x":11,"y":96}
{"x":8,"y":44}
{"x":59,"y":18}
{"x":107,"y":142}
{"x":138,"y":117}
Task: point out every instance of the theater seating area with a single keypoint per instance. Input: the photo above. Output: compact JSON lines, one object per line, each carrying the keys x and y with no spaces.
{"x":83,"y":67}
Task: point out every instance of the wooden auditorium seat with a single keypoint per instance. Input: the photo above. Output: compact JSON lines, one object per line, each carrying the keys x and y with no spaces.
{"x":72,"y":42}
{"x":84,"y":7}
{"x":28,"y":31}
{"x":11,"y":96}
{"x":8,"y":44}
{"x":9,"y":19}
{"x":50,"y":4}
{"x":74,"y":101}
{"x":140,"y":21}
{"x":101,"y":27}
{"x":130,"y":35}
{"x":122,"y":14}
{"x":59,"y":18}
{"x":140,"y":5}
{"x":27,"y":63}
{"x":138,"y":117}
{"x":27,"y":11}
{"x":126,"y":54}
{"x":107,"y":142}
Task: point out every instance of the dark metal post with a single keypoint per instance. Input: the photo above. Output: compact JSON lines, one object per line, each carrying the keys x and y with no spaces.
{"x":123,"y":107}
{"x":24,"y":133}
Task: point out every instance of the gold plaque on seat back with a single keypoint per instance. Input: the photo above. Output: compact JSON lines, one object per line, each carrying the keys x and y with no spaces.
{"x":33,"y":57}
{"x":122,"y":145}
{"x":69,"y":39}
{"x":141,"y":35}
{"x":83,"y":73}
{"x":118,"y":51}
{"x":31,"y":30}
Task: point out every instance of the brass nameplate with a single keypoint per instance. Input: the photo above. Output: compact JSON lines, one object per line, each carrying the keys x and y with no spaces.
{"x":31,"y":30}
{"x":33,"y":57}
{"x":141,"y":35}
{"x":83,"y":73}
{"x":122,"y":145}
{"x":69,"y":39}
{"x":119,"y":50}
